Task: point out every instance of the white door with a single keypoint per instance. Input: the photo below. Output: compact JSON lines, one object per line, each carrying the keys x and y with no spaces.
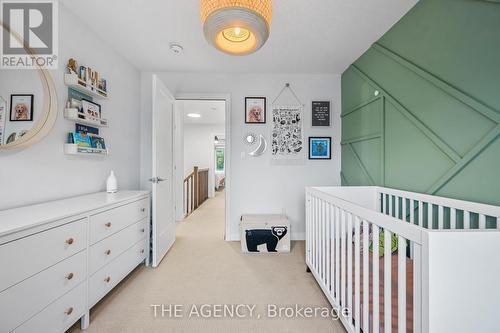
{"x":163,"y":226}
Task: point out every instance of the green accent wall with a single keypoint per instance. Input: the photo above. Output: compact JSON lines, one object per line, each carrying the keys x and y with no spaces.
{"x":421,"y":107}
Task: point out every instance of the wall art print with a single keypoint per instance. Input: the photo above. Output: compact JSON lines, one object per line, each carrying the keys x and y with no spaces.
{"x":287,"y":133}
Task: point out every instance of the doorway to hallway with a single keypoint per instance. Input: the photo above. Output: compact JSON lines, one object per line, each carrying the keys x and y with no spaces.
{"x":201,"y":155}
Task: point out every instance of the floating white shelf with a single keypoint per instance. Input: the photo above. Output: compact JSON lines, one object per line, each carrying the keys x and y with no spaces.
{"x":74,"y":149}
{"x":73,"y":81}
{"x":74,"y":115}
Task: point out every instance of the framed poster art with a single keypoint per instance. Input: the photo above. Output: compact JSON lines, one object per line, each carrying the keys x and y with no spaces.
{"x":255,"y":110}
{"x":320,"y":148}
{"x":21,"y":107}
{"x":321,"y":114}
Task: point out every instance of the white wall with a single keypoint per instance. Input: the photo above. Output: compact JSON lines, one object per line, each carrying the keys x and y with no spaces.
{"x":42,"y":172}
{"x":199,"y":146}
{"x":256,"y":185}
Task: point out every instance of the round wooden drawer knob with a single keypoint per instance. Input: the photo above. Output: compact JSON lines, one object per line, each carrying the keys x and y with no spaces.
{"x":142,"y":251}
{"x":143,"y":210}
{"x":69,"y":276}
{"x":70,"y":241}
{"x":69,"y":311}
{"x":107,"y":279}
{"x":108,"y":252}
{"x":108,"y":225}
{"x":142,"y":230}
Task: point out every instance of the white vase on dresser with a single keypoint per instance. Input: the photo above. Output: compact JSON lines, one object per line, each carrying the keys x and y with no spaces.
{"x":58,"y":259}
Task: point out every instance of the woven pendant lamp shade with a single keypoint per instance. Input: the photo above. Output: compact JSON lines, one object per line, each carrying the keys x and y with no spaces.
{"x":237,"y":27}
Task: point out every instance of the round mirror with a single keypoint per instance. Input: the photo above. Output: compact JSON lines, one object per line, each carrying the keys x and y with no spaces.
{"x":28,"y":104}
{"x":250,"y":138}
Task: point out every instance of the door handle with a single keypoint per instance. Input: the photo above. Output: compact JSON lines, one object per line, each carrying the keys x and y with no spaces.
{"x":156,"y":180}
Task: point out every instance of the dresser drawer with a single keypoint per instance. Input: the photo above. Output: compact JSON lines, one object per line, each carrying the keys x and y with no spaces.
{"x":109,"y":276}
{"x":27,"y":256}
{"x":25,"y":299}
{"x":58,"y":316}
{"x":109,"y":248}
{"x":111,"y":221}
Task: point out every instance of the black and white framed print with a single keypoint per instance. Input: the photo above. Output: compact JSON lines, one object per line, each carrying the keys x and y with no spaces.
{"x":320,"y":148}
{"x":255,"y":110}
{"x":21,"y":107}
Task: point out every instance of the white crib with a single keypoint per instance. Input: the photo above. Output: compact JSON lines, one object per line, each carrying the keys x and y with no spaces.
{"x":443,"y":277}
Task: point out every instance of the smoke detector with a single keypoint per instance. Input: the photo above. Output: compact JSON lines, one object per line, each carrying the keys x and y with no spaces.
{"x":176,"y":48}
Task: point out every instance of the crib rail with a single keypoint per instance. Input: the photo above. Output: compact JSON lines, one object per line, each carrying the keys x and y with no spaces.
{"x":343,"y":254}
{"x":437,"y":213}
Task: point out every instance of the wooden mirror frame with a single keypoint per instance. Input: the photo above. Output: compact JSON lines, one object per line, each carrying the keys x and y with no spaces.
{"x":48,"y":117}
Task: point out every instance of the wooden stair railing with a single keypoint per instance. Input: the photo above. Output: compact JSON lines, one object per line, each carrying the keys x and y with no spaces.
{"x":195,"y":190}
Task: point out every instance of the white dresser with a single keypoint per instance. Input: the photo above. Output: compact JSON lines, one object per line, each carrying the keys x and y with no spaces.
{"x":58,"y":259}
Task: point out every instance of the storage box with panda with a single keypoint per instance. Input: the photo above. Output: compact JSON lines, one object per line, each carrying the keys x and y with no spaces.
{"x":265,"y":233}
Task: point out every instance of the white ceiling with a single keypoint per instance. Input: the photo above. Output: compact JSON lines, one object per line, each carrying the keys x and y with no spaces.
{"x":212,"y":112}
{"x":307,"y":36}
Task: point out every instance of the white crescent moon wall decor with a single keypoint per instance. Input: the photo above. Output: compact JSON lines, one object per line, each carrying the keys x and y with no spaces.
{"x":261,"y":149}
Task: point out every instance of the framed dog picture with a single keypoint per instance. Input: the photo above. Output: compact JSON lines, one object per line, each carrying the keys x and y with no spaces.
{"x":255,"y":110}
{"x":21,"y":107}
{"x":320,"y":148}
{"x":91,"y":109}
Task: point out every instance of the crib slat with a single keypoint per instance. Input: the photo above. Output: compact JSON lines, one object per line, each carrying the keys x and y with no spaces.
{"x":412,"y":211}
{"x":404,"y":215}
{"x":387,"y":282}
{"x":453,"y":218}
{"x":417,"y":288}
{"x":337,"y":256}
{"x":401,"y":284}
{"x":466,"y":219}
{"x":357,"y":273}
{"x":349,"y":266}
{"x":390,"y":205}
{"x":384,"y":201}
{"x":430,"y":225}
{"x":440,"y":217}
{"x":313,"y":235}
{"x":332,"y":251}
{"x":366,"y":275}
{"x":482,"y":221}
{"x":420,"y":213}
{"x":375,"y":278}
{"x":322,"y":241}
{"x":328,"y":244}
{"x":342,"y":259}
{"x":396,"y":202}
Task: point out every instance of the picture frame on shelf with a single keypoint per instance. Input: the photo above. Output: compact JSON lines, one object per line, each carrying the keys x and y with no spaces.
{"x":320,"y":148}
{"x":255,"y":110}
{"x":91,"y":109}
{"x":21,"y":107}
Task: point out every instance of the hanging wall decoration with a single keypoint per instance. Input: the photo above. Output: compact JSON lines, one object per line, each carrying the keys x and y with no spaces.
{"x":287,"y":133}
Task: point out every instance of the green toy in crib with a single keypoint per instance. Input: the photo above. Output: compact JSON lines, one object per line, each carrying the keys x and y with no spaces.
{"x":394,"y":244}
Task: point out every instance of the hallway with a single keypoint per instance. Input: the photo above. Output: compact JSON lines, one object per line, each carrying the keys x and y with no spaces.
{"x":201,"y":268}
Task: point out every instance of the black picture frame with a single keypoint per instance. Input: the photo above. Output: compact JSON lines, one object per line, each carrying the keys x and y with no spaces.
{"x":263,"y":100}
{"x":321,"y":115}
{"x":329,"y":148}
{"x":12,"y":116}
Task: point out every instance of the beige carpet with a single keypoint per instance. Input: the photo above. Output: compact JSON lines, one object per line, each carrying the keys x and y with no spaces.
{"x":202,"y":268}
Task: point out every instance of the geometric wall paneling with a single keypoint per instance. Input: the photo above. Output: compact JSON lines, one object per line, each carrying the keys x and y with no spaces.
{"x":354,"y":90}
{"x":411,"y":158}
{"x":429,"y":136}
{"x":363,"y":121}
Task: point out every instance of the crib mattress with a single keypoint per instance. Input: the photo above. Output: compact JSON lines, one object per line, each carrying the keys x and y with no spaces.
{"x":394,"y":293}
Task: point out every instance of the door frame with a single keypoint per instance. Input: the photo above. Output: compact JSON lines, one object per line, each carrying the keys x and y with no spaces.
{"x":227,"y":99}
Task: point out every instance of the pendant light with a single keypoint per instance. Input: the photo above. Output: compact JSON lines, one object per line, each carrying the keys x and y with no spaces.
{"x":236,"y":27}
